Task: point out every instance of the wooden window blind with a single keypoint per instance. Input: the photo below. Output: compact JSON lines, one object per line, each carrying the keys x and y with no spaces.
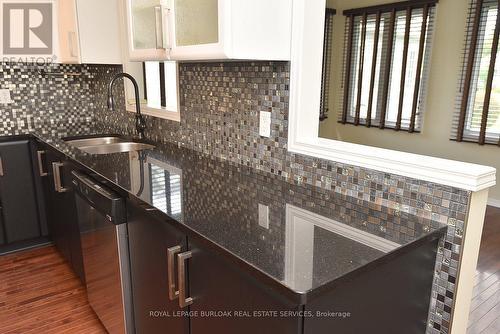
{"x":386,"y":60}
{"x":327,"y":61}
{"x":477,"y":118}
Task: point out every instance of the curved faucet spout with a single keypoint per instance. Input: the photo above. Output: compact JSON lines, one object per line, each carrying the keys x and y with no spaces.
{"x":140,"y":123}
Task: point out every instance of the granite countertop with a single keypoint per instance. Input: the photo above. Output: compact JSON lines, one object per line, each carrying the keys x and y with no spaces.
{"x":301,"y":238}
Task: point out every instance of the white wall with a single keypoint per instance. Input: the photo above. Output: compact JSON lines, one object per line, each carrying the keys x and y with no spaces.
{"x":445,"y":69}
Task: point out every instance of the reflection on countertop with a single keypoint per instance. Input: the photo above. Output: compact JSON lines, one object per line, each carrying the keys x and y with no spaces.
{"x":300,"y":235}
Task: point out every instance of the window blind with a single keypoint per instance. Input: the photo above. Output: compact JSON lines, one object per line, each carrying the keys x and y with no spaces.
{"x":327,"y":61}
{"x":386,"y":60}
{"x":477,"y":117}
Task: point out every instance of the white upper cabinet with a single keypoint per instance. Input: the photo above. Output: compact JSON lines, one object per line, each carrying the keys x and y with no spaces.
{"x":88,"y":32}
{"x":230,"y":29}
{"x":147,"y":29}
{"x":68,"y":50}
{"x":209,"y":29}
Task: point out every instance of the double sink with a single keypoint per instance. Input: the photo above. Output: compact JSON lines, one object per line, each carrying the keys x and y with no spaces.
{"x":107,"y":144}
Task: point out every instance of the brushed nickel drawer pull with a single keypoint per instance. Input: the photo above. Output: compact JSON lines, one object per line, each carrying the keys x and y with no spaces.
{"x":172,"y":293}
{"x":56,"y":167}
{"x":1,"y":166}
{"x":40,"y":163}
{"x":181,"y":267}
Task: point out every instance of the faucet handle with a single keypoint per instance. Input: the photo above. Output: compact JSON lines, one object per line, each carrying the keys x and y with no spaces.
{"x":111,"y":103}
{"x":140,"y":125}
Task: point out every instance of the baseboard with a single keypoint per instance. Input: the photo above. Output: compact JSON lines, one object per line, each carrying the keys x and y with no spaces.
{"x":494,"y":202}
{"x":24,"y":245}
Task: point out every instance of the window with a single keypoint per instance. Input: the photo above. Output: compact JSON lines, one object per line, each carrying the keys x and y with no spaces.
{"x":387,"y":57}
{"x":327,"y":60}
{"x":158,"y":82}
{"x":478,"y":110}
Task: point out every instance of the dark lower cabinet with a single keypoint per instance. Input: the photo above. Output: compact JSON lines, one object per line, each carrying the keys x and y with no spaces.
{"x":18,"y":202}
{"x":214,"y":284}
{"x":149,"y":241}
{"x":61,"y":209}
{"x":218,"y":286}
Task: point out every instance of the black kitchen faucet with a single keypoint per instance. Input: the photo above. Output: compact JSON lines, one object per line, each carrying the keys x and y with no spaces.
{"x":140,"y":123}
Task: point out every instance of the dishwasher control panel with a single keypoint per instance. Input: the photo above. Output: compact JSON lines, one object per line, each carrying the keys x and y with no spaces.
{"x":104,"y":200}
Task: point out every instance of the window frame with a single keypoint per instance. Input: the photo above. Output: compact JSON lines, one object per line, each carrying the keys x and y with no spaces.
{"x":171,"y":112}
{"x":327,"y":58}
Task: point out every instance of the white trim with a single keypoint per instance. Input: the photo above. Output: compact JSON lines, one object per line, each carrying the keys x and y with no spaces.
{"x":468,"y":262}
{"x":494,"y":202}
{"x":305,"y":86}
{"x":159,"y":113}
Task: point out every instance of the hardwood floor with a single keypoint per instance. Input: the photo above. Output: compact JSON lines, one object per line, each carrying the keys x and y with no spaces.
{"x":40,"y":294}
{"x":485,"y":308}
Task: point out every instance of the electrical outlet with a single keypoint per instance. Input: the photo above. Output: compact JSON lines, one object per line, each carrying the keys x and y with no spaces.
{"x":264,"y":216}
{"x":265,"y":124}
{"x":5,"y":96}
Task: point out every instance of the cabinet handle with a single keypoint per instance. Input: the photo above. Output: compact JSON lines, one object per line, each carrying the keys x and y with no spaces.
{"x":40,"y":163}
{"x":181,"y":268}
{"x":166,"y":29}
{"x":56,"y":167}
{"x":172,"y":293}
{"x":1,"y":166}
{"x":159,"y":27}
{"x":71,"y":42}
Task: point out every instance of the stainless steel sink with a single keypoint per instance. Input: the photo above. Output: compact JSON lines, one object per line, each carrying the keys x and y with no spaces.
{"x":107,"y":144}
{"x":94,"y":141}
{"x":116,"y":148}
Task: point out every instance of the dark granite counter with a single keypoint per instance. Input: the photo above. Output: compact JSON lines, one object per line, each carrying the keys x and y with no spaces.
{"x":300,"y":238}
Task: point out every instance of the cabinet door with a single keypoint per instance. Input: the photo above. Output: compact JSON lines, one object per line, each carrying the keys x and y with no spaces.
{"x":63,"y":219}
{"x":71,"y":227}
{"x":99,"y":31}
{"x":217,"y":285}
{"x":147,"y":22}
{"x":196,"y":22}
{"x":67,"y":28}
{"x":196,"y":30}
{"x":56,"y":202}
{"x":149,"y":240}
{"x":17,"y":191}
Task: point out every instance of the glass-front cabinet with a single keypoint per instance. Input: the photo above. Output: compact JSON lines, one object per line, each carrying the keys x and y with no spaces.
{"x":147,"y":24}
{"x":198,"y":29}
{"x":196,"y":22}
{"x":209,"y":29}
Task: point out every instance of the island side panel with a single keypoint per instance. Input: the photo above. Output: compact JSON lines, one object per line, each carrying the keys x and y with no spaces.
{"x":392,"y":298}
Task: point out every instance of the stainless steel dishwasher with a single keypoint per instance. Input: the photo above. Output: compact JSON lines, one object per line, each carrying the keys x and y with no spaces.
{"x":103,"y":233}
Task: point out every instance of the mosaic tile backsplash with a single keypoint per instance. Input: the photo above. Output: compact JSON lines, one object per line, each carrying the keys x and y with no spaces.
{"x":220,"y":103}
